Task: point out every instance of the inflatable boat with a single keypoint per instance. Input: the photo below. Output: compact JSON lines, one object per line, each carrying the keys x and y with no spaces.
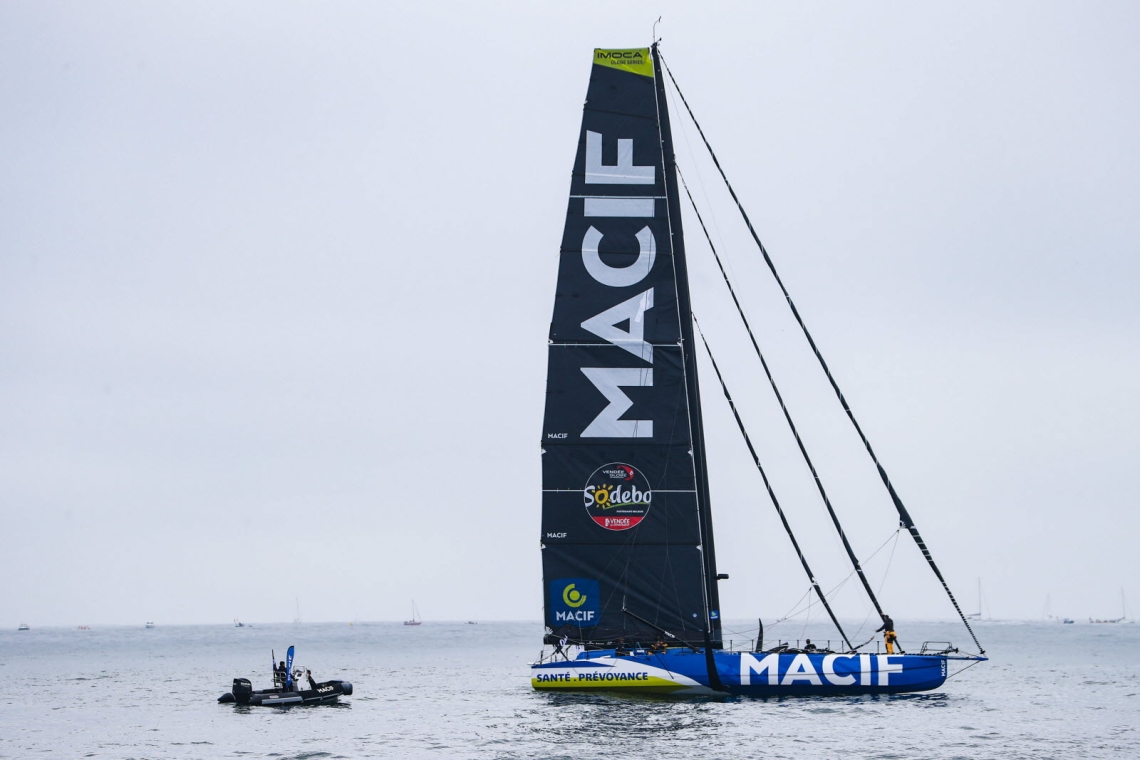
{"x":325,"y":693}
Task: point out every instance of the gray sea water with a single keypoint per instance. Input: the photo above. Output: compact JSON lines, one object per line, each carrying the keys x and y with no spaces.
{"x":450,"y":690}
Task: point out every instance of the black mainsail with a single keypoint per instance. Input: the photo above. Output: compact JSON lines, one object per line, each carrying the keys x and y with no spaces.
{"x":626,"y":530}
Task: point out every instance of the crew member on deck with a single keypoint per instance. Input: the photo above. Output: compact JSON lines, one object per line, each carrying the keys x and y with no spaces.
{"x":279,"y":675}
{"x":309,"y":675}
{"x":889,"y":637}
{"x":810,"y":647}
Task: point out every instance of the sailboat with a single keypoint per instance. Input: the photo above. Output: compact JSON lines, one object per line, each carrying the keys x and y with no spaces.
{"x":415,"y":615}
{"x":1048,"y":613}
{"x":977,"y":615}
{"x":629,"y":564}
{"x":1123,"y":613}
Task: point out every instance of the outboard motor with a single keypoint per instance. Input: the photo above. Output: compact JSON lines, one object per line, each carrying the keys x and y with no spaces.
{"x":347,"y":688}
{"x":242,"y":691}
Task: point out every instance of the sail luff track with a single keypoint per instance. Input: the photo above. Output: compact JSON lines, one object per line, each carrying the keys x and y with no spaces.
{"x":904,"y":515}
{"x":783,"y":407}
{"x":772,"y":493}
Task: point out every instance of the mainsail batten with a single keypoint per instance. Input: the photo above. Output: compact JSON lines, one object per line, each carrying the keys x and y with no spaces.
{"x":626,"y":549}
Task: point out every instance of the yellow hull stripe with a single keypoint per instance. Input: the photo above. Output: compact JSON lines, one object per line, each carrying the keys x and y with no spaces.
{"x":651,"y":683}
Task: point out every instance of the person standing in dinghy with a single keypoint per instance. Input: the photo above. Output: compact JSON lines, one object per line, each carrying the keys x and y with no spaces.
{"x":889,"y":637}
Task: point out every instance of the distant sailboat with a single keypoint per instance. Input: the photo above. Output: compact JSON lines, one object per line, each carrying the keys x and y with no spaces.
{"x":149,"y":625}
{"x":1058,"y":618}
{"x":238,"y":623}
{"x":977,"y":615}
{"x":1123,"y":613}
{"x":297,"y":620}
{"x":24,"y":627}
{"x":415,"y":615}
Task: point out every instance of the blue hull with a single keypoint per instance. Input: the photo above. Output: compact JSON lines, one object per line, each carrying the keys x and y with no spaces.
{"x":743,"y":673}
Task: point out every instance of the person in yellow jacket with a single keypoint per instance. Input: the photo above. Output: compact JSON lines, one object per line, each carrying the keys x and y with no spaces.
{"x":889,"y":637}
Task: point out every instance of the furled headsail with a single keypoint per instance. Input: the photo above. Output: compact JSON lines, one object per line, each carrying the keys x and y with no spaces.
{"x":626,"y":532}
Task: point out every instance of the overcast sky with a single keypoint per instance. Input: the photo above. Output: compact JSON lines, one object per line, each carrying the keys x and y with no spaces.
{"x":275,"y":281}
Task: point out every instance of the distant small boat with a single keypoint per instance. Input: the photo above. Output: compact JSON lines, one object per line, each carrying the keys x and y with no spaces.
{"x":85,"y":628}
{"x":1048,"y":613}
{"x":415,"y":615}
{"x":149,"y":625}
{"x":471,"y":622}
{"x":238,"y":623}
{"x":1068,"y":621}
{"x":24,"y":627}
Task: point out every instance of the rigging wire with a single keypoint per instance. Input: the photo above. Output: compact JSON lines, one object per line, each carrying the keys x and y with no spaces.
{"x":795,"y":611}
{"x":699,"y":182}
{"x":768,"y":485}
{"x":895,"y":538}
{"x":783,"y":407}
{"x":963,"y":669}
{"x":904,"y":516}
{"x":890,"y":559}
{"x":807,"y":620}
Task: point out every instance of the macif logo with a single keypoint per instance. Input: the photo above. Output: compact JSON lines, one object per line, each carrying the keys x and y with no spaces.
{"x":574,"y":601}
{"x":573,"y":597}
